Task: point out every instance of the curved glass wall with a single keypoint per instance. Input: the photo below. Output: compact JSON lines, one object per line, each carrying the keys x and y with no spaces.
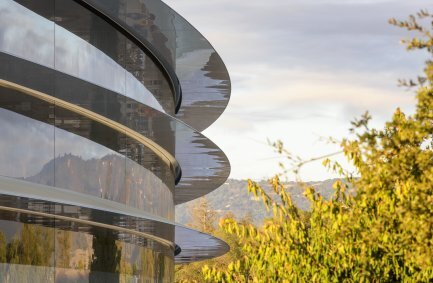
{"x":202,"y":74}
{"x":88,"y":139}
{"x":83,"y":45}
{"x":204,"y":165}
{"x":80,"y":155}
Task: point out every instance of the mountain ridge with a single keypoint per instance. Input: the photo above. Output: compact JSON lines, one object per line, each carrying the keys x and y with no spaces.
{"x":233,"y":196}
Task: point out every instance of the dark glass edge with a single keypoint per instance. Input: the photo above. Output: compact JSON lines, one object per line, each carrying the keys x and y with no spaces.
{"x":145,"y":46}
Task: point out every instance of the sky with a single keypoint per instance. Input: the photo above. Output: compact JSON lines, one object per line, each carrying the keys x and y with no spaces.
{"x":301,"y":70}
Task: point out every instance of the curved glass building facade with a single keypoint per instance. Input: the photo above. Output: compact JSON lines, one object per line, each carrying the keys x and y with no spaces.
{"x":102,"y":104}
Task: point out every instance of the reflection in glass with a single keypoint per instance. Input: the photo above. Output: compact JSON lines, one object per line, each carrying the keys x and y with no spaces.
{"x":26,"y":250}
{"x":42,"y":252}
{"x":27,"y":145}
{"x":80,"y":155}
{"x":204,"y":166}
{"x":90,"y":159}
{"x":202,"y":74}
{"x":20,"y":28}
{"x":48,"y":145}
{"x":96,"y":52}
{"x":143,"y":190}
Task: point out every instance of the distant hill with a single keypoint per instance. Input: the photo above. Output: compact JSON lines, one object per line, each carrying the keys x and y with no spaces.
{"x":233,"y":196}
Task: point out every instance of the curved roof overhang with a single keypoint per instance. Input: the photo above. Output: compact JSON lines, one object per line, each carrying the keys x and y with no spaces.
{"x":197,"y":246}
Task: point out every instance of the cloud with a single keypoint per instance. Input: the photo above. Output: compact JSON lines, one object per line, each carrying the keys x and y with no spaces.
{"x":299,"y":33}
{"x":303,"y":69}
{"x":270,"y":88}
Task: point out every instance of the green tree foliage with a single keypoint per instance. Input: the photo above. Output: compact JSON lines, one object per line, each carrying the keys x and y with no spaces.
{"x":33,"y":246}
{"x":381,"y":233}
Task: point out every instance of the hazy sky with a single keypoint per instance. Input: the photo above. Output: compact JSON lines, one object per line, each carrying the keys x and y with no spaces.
{"x":301,"y":70}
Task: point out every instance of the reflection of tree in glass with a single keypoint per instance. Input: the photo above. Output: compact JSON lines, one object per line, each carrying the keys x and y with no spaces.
{"x":105,"y":261}
{"x":28,"y":255}
{"x":33,"y":246}
{"x":3,"y":247}
{"x":63,"y":248}
{"x":147,"y":263}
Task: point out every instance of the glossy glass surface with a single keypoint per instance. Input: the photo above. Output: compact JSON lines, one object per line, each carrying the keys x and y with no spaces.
{"x":202,"y":74}
{"x":204,"y":166}
{"x":27,"y":145}
{"x":41,"y":249}
{"x":80,"y":155}
{"x":82,"y":45}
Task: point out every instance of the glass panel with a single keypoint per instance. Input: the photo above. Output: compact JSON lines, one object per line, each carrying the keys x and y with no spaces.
{"x":86,"y":252}
{"x":78,"y":32}
{"x":26,"y":125}
{"x":82,"y":45}
{"x":21,"y":28}
{"x":143,"y":69}
{"x":84,"y":166}
{"x":90,"y":159}
{"x":80,"y":154}
{"x":41,"y":249}
{"x":26,"y":248}
{"x":145,"y":191}
{"x":98,"y":47}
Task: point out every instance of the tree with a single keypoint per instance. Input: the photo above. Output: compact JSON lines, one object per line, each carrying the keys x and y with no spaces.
{"x":381,"y":233}
{"x":192,"y":272}
{"x":203,"y":217}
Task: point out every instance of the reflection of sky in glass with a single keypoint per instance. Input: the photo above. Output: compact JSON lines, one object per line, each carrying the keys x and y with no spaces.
{"x":29,"y":148}
{"x":194,"y":79}
{"x":21,"y":29}
{"x":27,"y":35}
{"x":201,"y":72}
{"x":200,"y":160}
{"x":19,"y":137}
